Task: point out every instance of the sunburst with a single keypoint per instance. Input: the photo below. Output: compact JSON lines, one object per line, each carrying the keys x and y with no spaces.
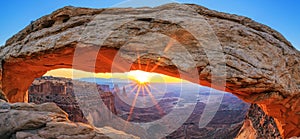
{"x":139,"y":76}
{"x":142,"y":80}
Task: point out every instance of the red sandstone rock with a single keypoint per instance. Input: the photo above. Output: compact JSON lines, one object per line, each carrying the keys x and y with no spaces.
{"x":258,"y":125}
{"x":261,"y":65}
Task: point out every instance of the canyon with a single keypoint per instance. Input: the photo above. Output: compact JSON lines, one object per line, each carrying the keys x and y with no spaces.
{"x":214,"y":49}
{"x":232,"y":120}
{"x":226,"y":123}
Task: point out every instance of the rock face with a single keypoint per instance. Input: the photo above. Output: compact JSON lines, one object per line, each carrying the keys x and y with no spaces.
{"x":2,"y":96}
{"x":262,"y":67}
{"x":60,"y":91}
{"x":225,"y":125}
{"x":258,"y":125}
{"x":28,"y":120}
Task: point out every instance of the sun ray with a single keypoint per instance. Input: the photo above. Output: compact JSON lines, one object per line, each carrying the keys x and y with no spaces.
{"x":133,"y":104}
{"x":161,"y":112}
{"x":143,"y":91}
{"x":156,"y":65}
{"x":133,"y":88}
{"x":147,"y":66}
{"x":129,"y":85}
{"x":127,"y":121}
{"x":158,"y":91}
{"x":139,"y":61}
{"x":126,"y":86}
{"x":133,"y":67}
{"x":169,"y":45}
{"x":107,"y":60}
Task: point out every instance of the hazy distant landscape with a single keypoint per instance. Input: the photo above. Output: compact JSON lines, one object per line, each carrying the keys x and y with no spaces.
{"x":169,"y":97}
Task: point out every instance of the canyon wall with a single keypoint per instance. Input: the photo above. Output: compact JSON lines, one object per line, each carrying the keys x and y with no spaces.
{"x":60,"y":91}
{"x":261,"y":66}
{"x":258,"y":125}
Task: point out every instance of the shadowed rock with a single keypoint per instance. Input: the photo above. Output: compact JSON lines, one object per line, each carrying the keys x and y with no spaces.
{"x":28,"y":120}
{"x":258,"y":125}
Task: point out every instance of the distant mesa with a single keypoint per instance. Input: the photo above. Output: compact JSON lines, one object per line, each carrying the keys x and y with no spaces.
{"x":60,"y":91}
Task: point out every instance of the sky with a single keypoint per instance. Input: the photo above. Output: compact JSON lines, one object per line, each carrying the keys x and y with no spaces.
{"x":281,"y":15}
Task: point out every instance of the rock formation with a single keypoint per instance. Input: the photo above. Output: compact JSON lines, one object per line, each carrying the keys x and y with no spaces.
{"x":2,"y":96}
{"x":60,"y":91}
{"x":262,"y":67}
{"x":44,"y":121}
{"x":258,"y":125}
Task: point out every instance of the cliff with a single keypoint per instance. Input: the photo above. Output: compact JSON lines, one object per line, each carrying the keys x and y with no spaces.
{"x":61,"y":92}
{"x":258,"y":125}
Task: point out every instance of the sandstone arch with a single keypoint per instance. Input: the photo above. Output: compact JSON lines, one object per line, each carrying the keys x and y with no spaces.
{"x":261,"y":65}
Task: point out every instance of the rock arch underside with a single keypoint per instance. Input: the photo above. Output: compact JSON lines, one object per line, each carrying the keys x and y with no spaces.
{"x":262,"y":67}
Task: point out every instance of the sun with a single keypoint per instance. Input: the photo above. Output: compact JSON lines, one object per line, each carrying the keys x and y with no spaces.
{"x":140,"y":76}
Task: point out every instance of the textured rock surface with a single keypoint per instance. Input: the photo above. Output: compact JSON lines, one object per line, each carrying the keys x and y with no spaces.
{"x":258,"y":125}
{"x":261,"y":65}
{"x":28,"y":120}
{"x":61,"y":92}
{"x":2,"y":96}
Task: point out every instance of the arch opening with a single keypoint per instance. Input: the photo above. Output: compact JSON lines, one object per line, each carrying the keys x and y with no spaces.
{"x":56,"y":86}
